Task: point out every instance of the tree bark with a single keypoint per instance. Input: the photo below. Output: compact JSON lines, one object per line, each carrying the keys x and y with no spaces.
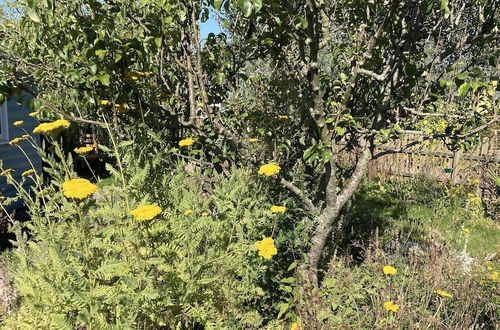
{"x":335,"y":202}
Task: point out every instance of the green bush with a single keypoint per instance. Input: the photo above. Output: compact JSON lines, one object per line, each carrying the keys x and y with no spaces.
{"x":90,"y":264}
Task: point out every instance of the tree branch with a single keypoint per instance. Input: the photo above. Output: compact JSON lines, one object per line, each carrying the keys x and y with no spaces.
{"x":296,"y":190}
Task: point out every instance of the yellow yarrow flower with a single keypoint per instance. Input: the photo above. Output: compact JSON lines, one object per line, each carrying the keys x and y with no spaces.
{"x":390,"y":306}
{"x":132,"y":75}
{"x":28,"y":172}
{"x":7,"y":172}
{"x":204,"y":214}
{"x":266,"y":248}
{"x":52,"y":128}
{"x":122,"y":108}
{"x":269,"y":169}
{"x":16,"y":141}
{"x":253,"y":140}
{"x":78,"y":188}
{"x":104,"y":102}
{"x":389,"y":270}
{"x":278,"y":209}
{"x":186,"y":142}
{"x":295,"y":326}
{"x":188,"y":212}
{"x":146,"y":212}
{"x":33,"y":114}
{"x":284,"y":117}
{"x":83,"y":150}
{"x":466,"y":230}
{"x":18,"y":123}
{"x":443,"y":293}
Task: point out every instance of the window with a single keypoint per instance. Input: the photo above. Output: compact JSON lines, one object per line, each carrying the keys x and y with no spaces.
{"x":4,"y":123}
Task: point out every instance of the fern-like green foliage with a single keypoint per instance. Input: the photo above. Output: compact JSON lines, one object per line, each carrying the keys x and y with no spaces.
{"x":91,"y":265}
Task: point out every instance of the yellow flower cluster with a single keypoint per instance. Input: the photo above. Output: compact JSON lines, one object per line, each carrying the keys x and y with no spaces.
{"x":83,"y":150}
{"x":122,"y":108}
{"x":186,"y":142}
{"x":473,"y":199}
{"x":146,"y":212}
{"x":253,"y":140}
{"x":204,"y":214}
{"x":390,"y":306}
{"x":78,"y":188}
{"x":28,"y":172}
{"x":443,"y":293}
{"x":104,"y":102}
{"x":266,"y":248}
{"x":134,"y":75}
{"x":16,"y":141}
{"x":296,"y":326}
{"x":52,"y":128}
{"x":188,"y":212}
{"x":269,"y":169}
{"x":278,"y":209}
{"x":6,"y":172}
{"x":18,"y":123}
{"x":33,"y":114}
{"x":389,"y":270}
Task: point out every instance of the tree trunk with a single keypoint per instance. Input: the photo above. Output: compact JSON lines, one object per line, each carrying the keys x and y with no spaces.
{"x":334,"y":204}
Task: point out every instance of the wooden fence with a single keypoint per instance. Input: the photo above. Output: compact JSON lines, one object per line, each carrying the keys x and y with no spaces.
{"x":433,"y":159}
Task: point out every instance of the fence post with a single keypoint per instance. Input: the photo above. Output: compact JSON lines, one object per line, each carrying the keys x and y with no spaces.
{"x":457,"y":155}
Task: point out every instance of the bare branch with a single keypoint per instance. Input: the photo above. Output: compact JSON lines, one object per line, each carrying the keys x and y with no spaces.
{"x":296,"y":190}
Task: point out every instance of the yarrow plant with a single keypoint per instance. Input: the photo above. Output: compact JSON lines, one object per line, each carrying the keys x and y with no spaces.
{"x":266,"y":247}
{"x":269,"y":169}
{"x":278,"y":209}
{"x":146,"y":212}
{"x":52,"y":128}
{"x":28,"y":172}
{"x":389,"y":270}
{"x":186,"y":142}
{"x":78,"y":188}
{"x":83,"y":150}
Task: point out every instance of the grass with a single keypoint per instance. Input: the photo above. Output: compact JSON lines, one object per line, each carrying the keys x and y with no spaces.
{"x":482,"y":239}
{"x":412,"y":210}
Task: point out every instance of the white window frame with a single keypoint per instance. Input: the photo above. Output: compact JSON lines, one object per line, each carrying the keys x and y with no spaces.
{"x":4,"y":122}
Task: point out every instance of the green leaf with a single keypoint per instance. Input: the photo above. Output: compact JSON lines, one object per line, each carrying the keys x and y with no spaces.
{"x":326,"y":155}
{"x":410,"y":69}
{"x":257,"y":4}
{"x":246,"y":7}
{"x":292,"y":266}
{"x":444,"y":4}
{"x":101,"y":53}
{"x":31,"y":3}
{"x":218,"y":4}
{"x":104,"y":79}
{"x":34,"y":16}
{"x":158,"y":41}
{"x":283,"y":309}
{"x":464,"y":88}
{"x":340,"y":131}
{"x":288,"y":280}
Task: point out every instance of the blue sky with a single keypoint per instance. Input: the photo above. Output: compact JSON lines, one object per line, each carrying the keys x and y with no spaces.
{"x":210,"y":26}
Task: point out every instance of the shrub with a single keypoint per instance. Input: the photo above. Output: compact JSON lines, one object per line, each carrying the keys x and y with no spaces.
{"x":90,"y":264}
